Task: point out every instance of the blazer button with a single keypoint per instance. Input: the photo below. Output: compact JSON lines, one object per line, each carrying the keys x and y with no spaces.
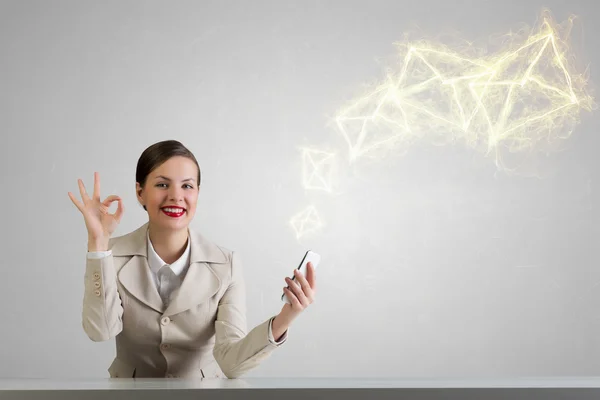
{"x":96,"y":276}
{"x":165,"y":346}
{"x":97,"y":285}
{"x":165,"y":321}
{"x":97,"y":293}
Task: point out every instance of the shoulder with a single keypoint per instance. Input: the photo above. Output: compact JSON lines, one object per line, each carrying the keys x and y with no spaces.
{"x":130,"y":244}
{"x":205,"y":250}
{"x":222,"y":260}
{"x":119,"y":239}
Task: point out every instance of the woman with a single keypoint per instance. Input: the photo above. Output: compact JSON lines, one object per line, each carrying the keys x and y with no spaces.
{"x":174,"y":301}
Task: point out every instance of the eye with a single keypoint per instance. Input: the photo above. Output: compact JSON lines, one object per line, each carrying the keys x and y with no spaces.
{"x":161,"y":185}
{"x":189,"y":186}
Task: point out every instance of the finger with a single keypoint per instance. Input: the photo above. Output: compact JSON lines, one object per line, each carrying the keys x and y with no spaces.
{"x":96,"y":195}
{"x":311,"y":276}
{"x":297,"y":290}
{"x":82,"y":191}
{"x":111,"y":199}
{"x":308,"y":291}
{"x":292,"y":298}
{"x":76,"y":202}
{"x":303,"y":282}
{"x":120,"y":209}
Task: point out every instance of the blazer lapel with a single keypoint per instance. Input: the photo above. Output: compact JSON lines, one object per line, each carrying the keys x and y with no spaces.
{"x":201,"y":282}
{"x":135,"y":275}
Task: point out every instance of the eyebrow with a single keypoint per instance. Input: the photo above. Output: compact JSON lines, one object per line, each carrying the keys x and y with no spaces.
{"x":168,"y":179}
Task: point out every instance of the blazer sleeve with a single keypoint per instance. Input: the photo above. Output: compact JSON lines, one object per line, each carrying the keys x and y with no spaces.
{"x":102,"y":308}
{"x":236,"y":350}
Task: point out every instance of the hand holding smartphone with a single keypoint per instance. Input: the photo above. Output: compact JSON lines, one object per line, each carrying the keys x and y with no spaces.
{"x":311,"y":257}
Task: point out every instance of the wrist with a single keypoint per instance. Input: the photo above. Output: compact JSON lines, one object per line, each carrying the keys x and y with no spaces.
{"x":97,"y":244}
{"x":279,"y":326}
{"x":284,"y":318}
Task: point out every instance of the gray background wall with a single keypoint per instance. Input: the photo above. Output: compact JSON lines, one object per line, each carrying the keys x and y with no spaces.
{"x":435,"y":262}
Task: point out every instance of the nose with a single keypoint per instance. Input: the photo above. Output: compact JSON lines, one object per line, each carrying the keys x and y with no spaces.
{"x":175,"y":193}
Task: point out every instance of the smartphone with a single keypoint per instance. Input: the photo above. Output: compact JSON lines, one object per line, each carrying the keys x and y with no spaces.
{"x":311,"y":257}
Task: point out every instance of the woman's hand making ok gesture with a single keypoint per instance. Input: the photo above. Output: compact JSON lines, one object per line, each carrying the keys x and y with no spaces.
{"x":99,"y":222}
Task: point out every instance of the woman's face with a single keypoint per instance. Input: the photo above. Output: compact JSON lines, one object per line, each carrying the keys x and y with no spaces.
{"x":171,"y":193}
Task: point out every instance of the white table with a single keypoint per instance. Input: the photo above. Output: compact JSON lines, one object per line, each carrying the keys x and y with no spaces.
{"x":303,"y":388}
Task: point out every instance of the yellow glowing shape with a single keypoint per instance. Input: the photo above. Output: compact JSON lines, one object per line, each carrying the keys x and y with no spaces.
{"x":305,"y":222}
{"x":317,"y":169}
{"x":513,"y":100}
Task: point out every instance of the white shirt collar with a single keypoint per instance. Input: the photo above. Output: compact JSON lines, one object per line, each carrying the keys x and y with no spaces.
{"x":156,"y":263}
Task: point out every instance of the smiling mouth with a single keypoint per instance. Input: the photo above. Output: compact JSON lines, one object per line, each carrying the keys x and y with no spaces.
{"x":173,"y":212}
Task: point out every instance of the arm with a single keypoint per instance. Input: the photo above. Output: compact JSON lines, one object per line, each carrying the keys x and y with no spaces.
{"x":102,"y":310}
{"x":236,"y":351}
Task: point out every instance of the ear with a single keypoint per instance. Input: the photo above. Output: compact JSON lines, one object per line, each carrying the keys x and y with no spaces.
{"x":138,"y":192}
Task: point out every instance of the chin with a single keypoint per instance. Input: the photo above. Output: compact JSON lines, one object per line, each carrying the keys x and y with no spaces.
{"x":175,"y":224}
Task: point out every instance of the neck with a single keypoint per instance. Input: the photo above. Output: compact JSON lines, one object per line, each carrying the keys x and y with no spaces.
{"x":169,"y":245}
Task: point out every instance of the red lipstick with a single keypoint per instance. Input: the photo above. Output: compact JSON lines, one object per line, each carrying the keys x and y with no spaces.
{"x":173,"y":211}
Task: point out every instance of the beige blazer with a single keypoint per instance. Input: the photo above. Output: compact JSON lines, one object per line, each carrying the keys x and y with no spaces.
{"x":202,"y":333}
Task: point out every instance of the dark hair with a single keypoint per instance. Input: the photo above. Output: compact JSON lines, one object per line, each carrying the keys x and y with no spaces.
{"x":157,"y":154}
